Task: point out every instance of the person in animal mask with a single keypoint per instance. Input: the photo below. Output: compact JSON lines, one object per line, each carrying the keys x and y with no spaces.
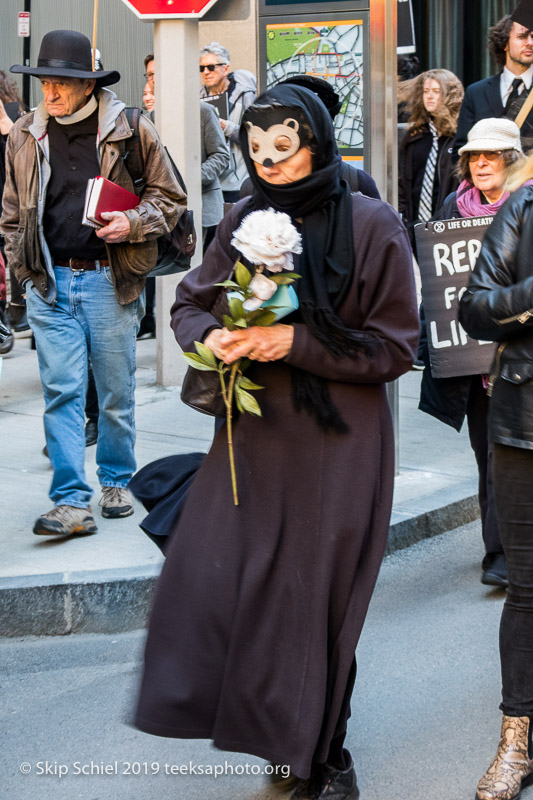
{"x":263,"y":662}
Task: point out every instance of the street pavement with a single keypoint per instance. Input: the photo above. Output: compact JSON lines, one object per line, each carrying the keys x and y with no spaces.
{"x":425,"y":720}
{"x":103,"y":583}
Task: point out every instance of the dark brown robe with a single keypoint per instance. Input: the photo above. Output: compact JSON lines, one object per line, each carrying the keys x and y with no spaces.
{"x":259,"y":608}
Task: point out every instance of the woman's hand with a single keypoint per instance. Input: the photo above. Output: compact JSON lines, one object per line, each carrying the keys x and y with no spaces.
{"x":258,"y":344}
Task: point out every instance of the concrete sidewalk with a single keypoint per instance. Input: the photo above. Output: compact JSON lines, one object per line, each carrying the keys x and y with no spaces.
{"x":103,"y":583}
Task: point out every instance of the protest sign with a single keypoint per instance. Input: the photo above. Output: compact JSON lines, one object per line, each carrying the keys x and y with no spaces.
{"x":447,"y":252}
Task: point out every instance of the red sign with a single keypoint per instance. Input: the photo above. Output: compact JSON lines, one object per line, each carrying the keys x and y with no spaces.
{"x":169,"y":9}
{"x":23,"y":27}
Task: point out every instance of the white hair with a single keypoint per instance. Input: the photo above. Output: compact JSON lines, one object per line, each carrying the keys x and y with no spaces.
{"x":217,"y":50}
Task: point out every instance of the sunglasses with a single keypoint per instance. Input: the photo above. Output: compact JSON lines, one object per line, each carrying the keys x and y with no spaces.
{"x":492,"y":155}
{"x":211,"y":67}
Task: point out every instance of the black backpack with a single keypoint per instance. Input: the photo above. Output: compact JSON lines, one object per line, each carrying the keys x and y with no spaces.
{"x":175,"y":249}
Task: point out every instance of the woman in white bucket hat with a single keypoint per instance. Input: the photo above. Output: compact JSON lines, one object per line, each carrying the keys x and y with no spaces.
{"x":498,"y":306}
{"x":493,"y":146}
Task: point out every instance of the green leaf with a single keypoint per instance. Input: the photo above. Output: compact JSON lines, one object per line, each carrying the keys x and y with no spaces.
{"x":235,"y":308}
{"x":283,"y":280}
{"x":246,"y":383}
{"x":206,"y":354}
{"x":228,"y":323}
{"x":248,"y":401}
{"x":243,"y":366}
{"x":237,"y":401}
{"x":196,"y":361}
{"x":265,"y":319}
{"x":230,"y":284}
{"x":241,"y":323}
{"x":242,"y":275}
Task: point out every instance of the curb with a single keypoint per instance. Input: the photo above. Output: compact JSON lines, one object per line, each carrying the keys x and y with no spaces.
{"x":116,"y":601}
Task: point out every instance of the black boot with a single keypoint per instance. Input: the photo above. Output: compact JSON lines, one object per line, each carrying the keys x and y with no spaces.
{"x":7,"y":340}
{"x":494,"y":570}
{"x":18,"y":317}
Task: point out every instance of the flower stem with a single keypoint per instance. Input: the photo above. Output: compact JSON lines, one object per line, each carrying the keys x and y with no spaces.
{"x":228,"y":399}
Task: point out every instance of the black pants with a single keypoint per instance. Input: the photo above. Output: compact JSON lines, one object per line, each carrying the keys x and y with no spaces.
{"x":513,"y":482}
{"x":477,"y":414}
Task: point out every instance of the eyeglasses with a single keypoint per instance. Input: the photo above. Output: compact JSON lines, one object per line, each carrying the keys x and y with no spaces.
{"x":211,"y":67}
{"x":491,"y":155}
{"x":149,"y":76}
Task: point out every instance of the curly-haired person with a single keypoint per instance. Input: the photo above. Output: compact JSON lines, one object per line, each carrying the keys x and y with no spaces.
{"x":433,"y":100}
{"x":510,"y":43}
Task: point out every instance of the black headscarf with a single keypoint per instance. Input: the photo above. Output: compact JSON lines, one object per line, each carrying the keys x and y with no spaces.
{"x":323,"y":202}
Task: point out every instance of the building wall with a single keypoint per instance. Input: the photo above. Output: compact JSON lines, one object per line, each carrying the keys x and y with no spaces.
{"x":453,"y":34}
{"x":123,"y":39}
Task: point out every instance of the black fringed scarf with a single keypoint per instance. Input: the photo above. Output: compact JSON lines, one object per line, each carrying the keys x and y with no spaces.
{"x":323,"y":202}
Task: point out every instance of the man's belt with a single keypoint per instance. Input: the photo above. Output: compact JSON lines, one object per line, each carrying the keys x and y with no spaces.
{"x":82,"y":263}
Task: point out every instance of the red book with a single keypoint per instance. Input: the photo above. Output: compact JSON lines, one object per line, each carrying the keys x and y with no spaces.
{"x":104,"y":195}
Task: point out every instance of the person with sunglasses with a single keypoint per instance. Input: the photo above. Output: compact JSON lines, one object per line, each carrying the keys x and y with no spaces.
{"x":239,"y":86}
{"x":497,"y":306}
{"x":493,"y":146}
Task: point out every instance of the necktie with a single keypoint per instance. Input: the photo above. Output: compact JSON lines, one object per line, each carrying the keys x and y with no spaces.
{"x":425,"y":207}
{"x":517,"y":83}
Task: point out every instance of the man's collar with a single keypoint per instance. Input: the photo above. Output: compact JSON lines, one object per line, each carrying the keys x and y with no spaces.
{"x":508,"y":77}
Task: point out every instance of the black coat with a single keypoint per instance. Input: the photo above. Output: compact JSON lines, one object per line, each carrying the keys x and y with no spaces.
{"x":444,"y":176}
{"x":446,"y":399}
{"x":498,"y":306}
{"x":483,"y":100}
{"x":259,"y":607}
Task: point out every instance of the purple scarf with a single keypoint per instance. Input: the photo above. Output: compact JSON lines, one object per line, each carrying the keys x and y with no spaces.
{"x":469,"y":203}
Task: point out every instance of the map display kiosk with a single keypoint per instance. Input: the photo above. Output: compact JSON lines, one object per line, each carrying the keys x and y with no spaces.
{"x":352,"y":45}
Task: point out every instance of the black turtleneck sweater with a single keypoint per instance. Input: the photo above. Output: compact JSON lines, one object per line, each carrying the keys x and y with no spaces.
{"x":73,"y":160}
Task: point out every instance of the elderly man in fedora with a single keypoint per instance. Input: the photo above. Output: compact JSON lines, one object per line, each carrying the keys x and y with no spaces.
{"x":83,"y":287}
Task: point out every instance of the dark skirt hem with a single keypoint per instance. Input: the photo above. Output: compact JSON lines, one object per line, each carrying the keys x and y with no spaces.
{"x":298,"y":768}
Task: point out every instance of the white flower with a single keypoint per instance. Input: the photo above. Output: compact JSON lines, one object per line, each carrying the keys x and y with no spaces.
{"x":252,"y":304}
{"x":263,"y":289}
{"x":268,"y":237}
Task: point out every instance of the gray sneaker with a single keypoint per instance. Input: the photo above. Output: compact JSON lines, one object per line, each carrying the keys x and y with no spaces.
{"x":116,"y":502}
{"x":66,"y":521}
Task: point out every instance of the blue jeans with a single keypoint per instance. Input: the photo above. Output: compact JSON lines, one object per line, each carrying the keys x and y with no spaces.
{"x":86,"y":322}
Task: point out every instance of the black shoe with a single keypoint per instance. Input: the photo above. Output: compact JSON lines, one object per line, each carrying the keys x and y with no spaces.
{"x":91,"y":433}
{"x":327,"y":783}
{"x":280,"y":780}
{"x":310,"y":788}
{"x":147,"y":328}
{"x":494,"y":570}
{"x":17,"y":317}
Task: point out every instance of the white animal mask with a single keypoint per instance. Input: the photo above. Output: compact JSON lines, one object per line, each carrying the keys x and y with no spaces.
{"x":275,"y":144}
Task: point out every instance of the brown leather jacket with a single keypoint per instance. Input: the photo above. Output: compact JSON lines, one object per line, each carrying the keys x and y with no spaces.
{"x":27,"y":175}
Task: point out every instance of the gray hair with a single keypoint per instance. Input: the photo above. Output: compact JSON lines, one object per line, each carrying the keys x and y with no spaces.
{"x":217,"y":50}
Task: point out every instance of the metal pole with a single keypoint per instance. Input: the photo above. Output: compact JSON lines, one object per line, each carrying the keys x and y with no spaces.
{"x":384,"y":130}
{"x":177,"y":111}
{"x":26,"y":46}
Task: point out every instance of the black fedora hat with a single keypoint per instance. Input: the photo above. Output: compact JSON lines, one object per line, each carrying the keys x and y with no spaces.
{"x":67,"y":54}
{"x":524,"y":14}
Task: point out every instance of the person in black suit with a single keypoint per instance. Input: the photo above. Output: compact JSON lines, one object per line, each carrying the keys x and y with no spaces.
{"x":503,"y":95}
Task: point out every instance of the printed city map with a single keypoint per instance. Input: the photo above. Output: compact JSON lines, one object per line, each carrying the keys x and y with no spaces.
{"x":329,"y":50}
